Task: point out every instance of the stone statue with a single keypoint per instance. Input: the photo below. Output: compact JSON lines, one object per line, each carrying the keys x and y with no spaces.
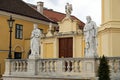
{"x":90,"y":35}
{"x":35,"y":42}
{"x":68,"y":9}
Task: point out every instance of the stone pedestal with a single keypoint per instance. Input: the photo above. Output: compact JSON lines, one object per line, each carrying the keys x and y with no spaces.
{"x":7,"y":67}
{"x":31,"y":56}
{"x":32,"y":66}
{"x":90,"y":67}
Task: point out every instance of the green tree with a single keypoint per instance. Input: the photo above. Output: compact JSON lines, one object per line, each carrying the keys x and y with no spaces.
{"x":103,"y":70}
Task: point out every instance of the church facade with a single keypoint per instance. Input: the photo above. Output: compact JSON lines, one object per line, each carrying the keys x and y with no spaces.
{"x":62,"y":52}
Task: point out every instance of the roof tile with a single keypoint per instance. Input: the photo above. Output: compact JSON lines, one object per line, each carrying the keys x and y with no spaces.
{"x":21,"y":8}
{"x":57,"y":16}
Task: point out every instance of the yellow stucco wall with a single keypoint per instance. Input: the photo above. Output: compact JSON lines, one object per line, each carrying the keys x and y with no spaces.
{"x":106,"y":11}
{"x":110,"y":29}
{"x":79,"y":46}
{"x":19,"y":45}
{"x":48,"y":48}
{"x":50,"y":45}
{"x":115,"y":33}
{"x":104,"y":43}
{"x":115,"y":10}
{"x":109,"y":42}
{"x":67,"y":25}
{"x":110,"y":10}
{"x":108,"y":35}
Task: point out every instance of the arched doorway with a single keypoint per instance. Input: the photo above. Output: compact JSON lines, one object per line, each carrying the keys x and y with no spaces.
{"x":18,"y":52}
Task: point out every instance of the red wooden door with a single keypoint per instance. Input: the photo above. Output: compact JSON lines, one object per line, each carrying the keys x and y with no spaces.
{"x":66,"y":47}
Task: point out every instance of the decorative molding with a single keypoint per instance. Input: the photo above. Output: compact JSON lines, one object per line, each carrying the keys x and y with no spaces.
{"x":18,"y":45}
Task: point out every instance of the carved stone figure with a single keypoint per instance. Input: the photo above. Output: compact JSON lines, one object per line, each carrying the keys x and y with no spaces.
{"x":68,"y":9}
{"x":90,"y":35}
{"x":35,"y":42}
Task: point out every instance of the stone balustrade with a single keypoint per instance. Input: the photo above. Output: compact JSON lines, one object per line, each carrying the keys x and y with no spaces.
{"x":114,"y":64}
{"x":53,"y":65}
{"x":74,"y":68}
{"x":18,"y":65}
{"x":15,"y":66}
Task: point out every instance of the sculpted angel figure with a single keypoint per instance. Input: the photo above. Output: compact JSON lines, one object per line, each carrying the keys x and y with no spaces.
{"x":68,"y":9}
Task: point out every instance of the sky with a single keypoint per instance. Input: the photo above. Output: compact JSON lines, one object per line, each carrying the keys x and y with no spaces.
{"x":81,"y":8}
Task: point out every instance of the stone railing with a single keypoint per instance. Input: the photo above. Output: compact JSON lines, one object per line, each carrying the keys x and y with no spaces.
{"x":114,"y":64}
{"x":69,"y":68}
{"x":15,"y":66}
{"x":60,"y":67}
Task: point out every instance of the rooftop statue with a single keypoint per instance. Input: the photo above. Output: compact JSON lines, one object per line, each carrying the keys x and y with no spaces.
{"x":68,"y":9}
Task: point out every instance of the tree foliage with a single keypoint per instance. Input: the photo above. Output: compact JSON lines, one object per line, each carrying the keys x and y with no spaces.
{"x":103,"y":70}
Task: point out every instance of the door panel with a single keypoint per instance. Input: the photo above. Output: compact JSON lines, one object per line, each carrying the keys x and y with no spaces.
{"x":66,"y":47}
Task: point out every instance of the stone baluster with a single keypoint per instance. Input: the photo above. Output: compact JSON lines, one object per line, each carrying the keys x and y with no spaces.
{"x":24,"y":66}
{"x":46,"y":69}
{"x":63,"y":66}
{"x":68,"y":66}
{"x":111,"y":63}
{"x":17,"y":66}
{"x":78,"y":65}
{"x":53,"y":66}
{"x":73,"y":66}
{"x":113,"y":66}
{"x":21,"y":66}
{"x":59,"y":66}
{"x":40,"y":66}
{"x":44,"y":66}
{"x":48,"y":66}
{"x":118,"y":65}
{"x":13,"y":67}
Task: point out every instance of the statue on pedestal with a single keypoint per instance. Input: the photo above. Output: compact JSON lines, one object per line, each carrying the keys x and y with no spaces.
{"x":35,"y":42}
{"x":68,"y":9}
{"x":90,"y":35}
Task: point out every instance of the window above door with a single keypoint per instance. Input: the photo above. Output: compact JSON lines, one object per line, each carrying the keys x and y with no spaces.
{"x":19,"y":31}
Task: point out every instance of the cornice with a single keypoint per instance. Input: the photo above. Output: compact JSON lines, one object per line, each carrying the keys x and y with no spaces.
{"x":25,"y":18}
